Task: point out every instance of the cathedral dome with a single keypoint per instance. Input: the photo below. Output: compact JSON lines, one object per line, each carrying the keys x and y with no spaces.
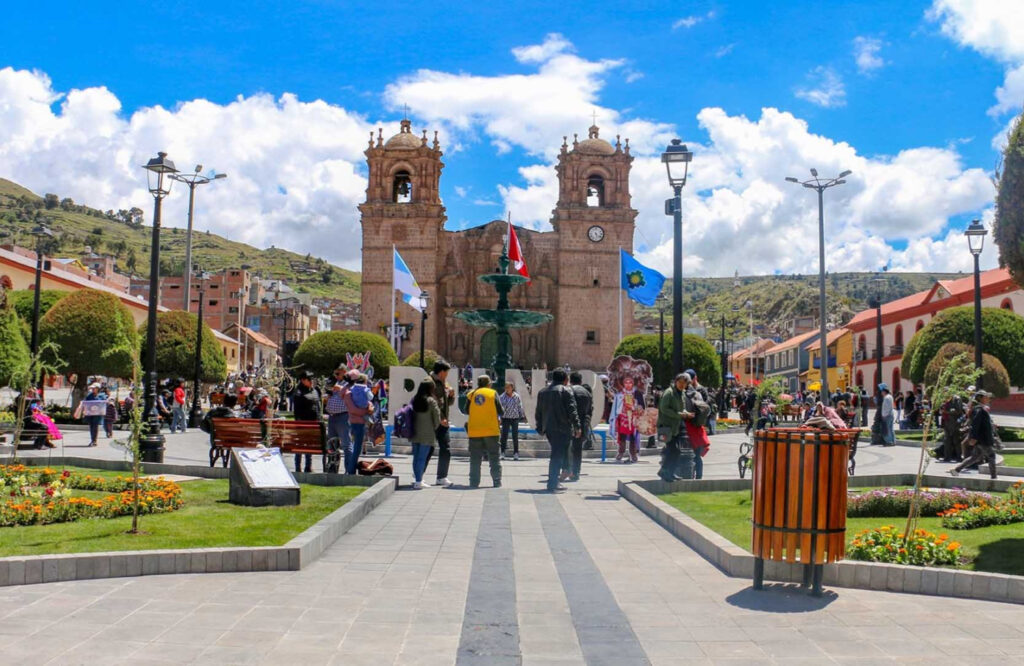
{"x":405,"y":139}
{"x":593,"y":145}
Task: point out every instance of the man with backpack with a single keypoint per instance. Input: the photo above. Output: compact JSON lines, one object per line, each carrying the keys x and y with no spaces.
{"x":671,"y":412}
{"x":484,"y":430}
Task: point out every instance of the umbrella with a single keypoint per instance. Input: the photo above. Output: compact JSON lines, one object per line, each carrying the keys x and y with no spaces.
{"x":785,"y":396}
{"x":814,"y":386}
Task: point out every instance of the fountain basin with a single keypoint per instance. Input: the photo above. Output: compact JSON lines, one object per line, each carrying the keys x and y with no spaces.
{"x":503,"y":318}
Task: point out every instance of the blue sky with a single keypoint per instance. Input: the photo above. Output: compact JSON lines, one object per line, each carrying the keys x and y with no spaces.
{"x":280,"y":97}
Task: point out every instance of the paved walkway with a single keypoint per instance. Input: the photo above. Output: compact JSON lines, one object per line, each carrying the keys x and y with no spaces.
{"x":499,"y":576}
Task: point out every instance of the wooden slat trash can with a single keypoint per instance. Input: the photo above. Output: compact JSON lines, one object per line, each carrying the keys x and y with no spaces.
{"x":799,"y":500}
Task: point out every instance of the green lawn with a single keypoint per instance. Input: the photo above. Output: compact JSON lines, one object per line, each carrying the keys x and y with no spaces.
{"x":207,"y":520}
{"x":1013,"y":459}
{"x":995,"y":549}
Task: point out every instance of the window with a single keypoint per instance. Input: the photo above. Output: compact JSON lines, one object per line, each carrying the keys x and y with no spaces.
{"x":595,"y":191}
{"x":401,"y":188}
{"x":919,"y":325}
{"x":591,"y":337}
{"x":175,"y":286}
{"x":233,"y":310}
{"x":214,"y":286}
{"x":235,"y":273}
{"x":1007,"y":304}
{"x":214,"y":302}
{"x":899,"y":335}
{"x":233,"y":350}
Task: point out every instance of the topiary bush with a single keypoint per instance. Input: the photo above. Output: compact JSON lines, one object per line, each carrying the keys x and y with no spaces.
{"x":176,"y":348}
{"x":23,"y":301}
{"x":697,"y":354}
{"x":323,"y":352}
{"x":14,"y":353}
{"x":1002,"y":337}
{"x":909,"y":349}
{"x":995,"y":378}
{"x":413,"y":360}
{"x":95,"y":333}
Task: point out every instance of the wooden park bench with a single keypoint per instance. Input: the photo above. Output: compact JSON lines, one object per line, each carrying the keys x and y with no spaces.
{"x":297,"y":437}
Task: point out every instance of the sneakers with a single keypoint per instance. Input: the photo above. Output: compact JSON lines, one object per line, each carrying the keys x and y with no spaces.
{"x":497,"y":484}
{"x":954,"y":472}
{"x":444,"y":483}
{"x":515,"y":456}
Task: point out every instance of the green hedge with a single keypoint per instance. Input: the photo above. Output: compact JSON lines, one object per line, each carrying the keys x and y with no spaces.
{"x":14,"y":353}
{"x":995,"y":378}
{"x":323,"y":352}
{"x":698,"y":354}
{"x":176,"y":347}
{"x":1002,"y":337}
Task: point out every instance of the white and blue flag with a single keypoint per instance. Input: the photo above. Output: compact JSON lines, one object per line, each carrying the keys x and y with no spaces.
{"x":407,"y":285}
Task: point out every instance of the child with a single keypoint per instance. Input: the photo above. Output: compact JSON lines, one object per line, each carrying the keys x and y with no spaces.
{"x":625,"y":426}
{"x":361,"y":393}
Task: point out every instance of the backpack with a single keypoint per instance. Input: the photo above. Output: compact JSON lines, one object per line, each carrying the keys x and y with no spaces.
{"x":360,"y":395}
{"x":405,"y":422}
{"x":701,"y":409}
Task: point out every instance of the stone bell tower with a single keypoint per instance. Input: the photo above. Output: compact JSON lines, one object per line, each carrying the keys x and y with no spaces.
{"x":594,"y":217}
{"x":402,"y":209}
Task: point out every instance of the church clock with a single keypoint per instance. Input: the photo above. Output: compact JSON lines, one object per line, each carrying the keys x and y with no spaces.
{"x":595,"y":233}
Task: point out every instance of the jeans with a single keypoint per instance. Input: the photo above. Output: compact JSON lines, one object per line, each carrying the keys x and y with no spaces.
{"x":94,"y":427}
{"x":980,"y":455}
{"x":573,"y":461}
{"x":559,"y":443}
{"x":507,"y":426}
{"x":698,"y":466}
{"x":712,"y":422}
{"x":337,"y":427}
{"x":355,"y":447}
{"x":178,"y":419}
{"x":477,"y":446}
{"x":298,"y":462}
{"x":444,"y":452}
{"x":420,"y":455}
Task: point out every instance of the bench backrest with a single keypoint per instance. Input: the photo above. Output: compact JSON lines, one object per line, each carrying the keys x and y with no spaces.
{"x":289,"y":436}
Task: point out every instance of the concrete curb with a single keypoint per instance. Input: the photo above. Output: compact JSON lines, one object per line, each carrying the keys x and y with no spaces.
{"x":294,"y":555}
{"x":738,"y":563}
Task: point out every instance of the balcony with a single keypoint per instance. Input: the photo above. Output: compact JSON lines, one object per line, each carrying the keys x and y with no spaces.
{"x":816,"y":363}
{"x":896,"y":350}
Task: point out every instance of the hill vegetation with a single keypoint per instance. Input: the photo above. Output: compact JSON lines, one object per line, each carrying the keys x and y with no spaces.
{"x":124,"y":235}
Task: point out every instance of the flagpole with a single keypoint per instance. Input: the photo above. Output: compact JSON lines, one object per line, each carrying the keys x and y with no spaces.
{"x":620,"y":295}
{"x":391,"y":315}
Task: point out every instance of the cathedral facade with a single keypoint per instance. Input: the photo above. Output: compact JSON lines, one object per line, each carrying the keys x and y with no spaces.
{"x":574,"y":268}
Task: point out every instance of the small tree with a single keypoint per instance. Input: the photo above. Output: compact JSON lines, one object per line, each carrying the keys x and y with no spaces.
{"x":994,"y":378}
{"x":1002,"y":337}
{"x":13,"y":350}
{"x":86,"y":325}
{"x":176,"y":347}
{"x":1008,"y":230}
{"x":323,"y":352}
{"x":413,"y":360}
{"x":23,"y":301}
{"x":24,"y":376}
{"x":697,"y":354}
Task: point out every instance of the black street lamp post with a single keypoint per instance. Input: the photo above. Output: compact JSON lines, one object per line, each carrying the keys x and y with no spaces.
{"x":42,"y":234}
{"x":723,"y":410}
{"x":677,"y":160}
{"x":424,"y":297}
{"x":196,"y":414}
{"x":820,"y":185}
{"x":192,"y":180}
{"x":662,"y":303}
{"x":976,"y":242}
{"x":151,"y":444}
{"x":879,"y":352}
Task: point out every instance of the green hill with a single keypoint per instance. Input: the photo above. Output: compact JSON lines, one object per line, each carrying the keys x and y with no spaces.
{"x":123,"y":235}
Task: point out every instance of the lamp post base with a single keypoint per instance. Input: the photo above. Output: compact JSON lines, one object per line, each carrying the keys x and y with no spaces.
{"x":151,"y":447}
{"x":195,"y":416}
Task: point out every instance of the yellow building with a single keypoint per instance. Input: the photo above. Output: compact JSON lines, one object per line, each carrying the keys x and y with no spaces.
{"x":840,"y":361}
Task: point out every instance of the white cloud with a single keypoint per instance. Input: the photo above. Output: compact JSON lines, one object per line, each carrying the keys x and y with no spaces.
{"x":553,"y":45}
{"x":866,"y":54}
{"x":89,"y":151}
{"x":1010,"y":95}
{"x":460,"y":191}
{"x":827,"y":89}
{"x":991,"y":27}
{"x":723,"y":51}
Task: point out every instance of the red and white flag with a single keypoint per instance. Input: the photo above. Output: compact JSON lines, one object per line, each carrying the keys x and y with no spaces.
{"x":515,"y":252}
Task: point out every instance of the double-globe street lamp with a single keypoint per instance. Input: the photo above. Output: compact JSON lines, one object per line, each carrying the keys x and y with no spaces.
{"x":723,"y":410}
{"x":159,"y":171}
{"x":820,"y":185}
{"x":677,"y":160}
{"x":196,"y":413}
{"x":976,"y":242}
{"x":879,"y":351}
{"x":192,"y":180}
{"x":424,"y":297}
{"x":42,"y":234}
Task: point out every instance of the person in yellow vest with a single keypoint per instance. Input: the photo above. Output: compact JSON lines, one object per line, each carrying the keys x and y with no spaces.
{"x":484,"y":431}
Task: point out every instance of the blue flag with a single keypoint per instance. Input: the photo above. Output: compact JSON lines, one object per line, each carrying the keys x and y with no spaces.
{"x":641,"y":283}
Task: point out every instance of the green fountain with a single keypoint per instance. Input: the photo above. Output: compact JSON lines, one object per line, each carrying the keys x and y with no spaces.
{"x":503,"y":318}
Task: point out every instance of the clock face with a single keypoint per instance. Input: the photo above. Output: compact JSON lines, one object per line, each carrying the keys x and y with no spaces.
{"x":595,"y":233}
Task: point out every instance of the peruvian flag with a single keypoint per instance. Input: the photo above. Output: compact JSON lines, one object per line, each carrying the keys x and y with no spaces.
{"x":515,"y":252}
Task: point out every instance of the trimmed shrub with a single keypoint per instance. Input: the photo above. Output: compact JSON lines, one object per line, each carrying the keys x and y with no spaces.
{"x":95,"y":333}
{"x":323,"y":352}
{"x":14,"y":352}
{"x":176,"y":347}
{"x":697,"y":354}
{"x":413,"y":360}
{"x":995,"y":378}
{"x":1002,"y":337}
{"x":1008,"y":230}
{"x":23,"y":301}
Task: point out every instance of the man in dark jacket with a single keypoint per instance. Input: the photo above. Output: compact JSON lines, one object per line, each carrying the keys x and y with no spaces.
{"x":983,"y":435}
{"x":557,"y":419}
{"x":445,"y":396}
{"x":585,"y":409}
{"x":306,"y":407}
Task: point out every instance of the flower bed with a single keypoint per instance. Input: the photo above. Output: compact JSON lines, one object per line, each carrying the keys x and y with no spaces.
{"x":895,"y":502}
{"x":43,"y":496}
{"x":995,"y":512}
{"x":886,"y":544}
